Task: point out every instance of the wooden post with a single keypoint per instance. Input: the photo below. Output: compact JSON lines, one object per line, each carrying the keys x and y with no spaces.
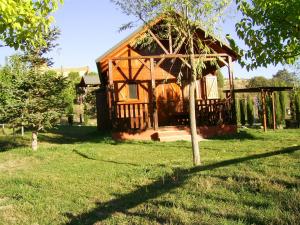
{"x":232,"y":94}
{"x":263,"y":99}
{"x":274,"y":111}
{"x":230,"y":72}
{"x":153,"y":97}
{"x":110,"y":90}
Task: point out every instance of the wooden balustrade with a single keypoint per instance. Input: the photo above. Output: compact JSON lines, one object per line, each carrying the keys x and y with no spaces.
{"x":215,"y":111}
{"x":132,"y":116}
{"x":138,"y":116}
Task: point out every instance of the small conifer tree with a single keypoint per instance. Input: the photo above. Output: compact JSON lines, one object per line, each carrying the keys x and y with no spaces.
{"x":250,"y":111}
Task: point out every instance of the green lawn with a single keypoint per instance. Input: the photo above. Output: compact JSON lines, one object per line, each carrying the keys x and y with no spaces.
{"x":79,"y":176}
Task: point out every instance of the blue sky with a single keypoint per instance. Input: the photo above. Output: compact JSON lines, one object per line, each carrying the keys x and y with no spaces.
{"x":90,"y":27}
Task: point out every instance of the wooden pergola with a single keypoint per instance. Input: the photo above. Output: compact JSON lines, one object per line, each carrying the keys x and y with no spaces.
{"x":264,"y":92}
{"x":221,"y":58}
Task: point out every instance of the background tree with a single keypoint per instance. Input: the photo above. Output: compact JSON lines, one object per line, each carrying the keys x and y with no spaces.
{"x":297,"y":107}
{"x":184,"y":17}
{"x":36,"y":54}
{"x":243,"y":111}
{"x":24,"y":23}
{"x":34,"y":99}
{"x":238,"y":111}
{"x":270,"y":30}
{"x":258,"y":81}
{"x":285,"y":78}
{"x":250,"y":111}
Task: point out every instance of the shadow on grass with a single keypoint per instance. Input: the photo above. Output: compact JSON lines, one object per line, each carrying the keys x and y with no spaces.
{"x":106,"y":161}
{"x":74,"y":134}
{"x":9,"y":142}
{"x":159,"y":187}
{"x":241,"y":135}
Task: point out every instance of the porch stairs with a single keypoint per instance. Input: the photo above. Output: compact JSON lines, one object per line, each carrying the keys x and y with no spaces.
{"x":167,"y":134}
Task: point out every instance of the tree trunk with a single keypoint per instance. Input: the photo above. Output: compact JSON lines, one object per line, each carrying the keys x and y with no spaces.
{"x":192,"y":111}
{"x":193,"y":124}
{"x":34,"y":141}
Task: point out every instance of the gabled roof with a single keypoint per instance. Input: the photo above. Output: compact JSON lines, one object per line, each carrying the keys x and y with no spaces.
{"x":141,"y":30}
{"x":89,"y":81}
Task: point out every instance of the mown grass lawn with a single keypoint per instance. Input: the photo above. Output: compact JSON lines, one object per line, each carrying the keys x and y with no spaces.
{"x":79,"y":176}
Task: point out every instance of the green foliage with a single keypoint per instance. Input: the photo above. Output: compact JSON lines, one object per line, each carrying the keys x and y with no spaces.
{"x":271,"y":31}
{"x":286,"y":78}
{"x":220,"y":78}
{"x":297,"y":107}
{"x":250,"y":110}
{"x":278,"y":109}
{"x":269,"y":111}
{"x":70,"y":92}
{"x":33,"y":98}
{"x":243,"y":111}
{"x":36,"y":55}
{"x":238,"y":111}
{"x":259,"y":81}
{"x":24,"y":23}
{"x":90,"y":104}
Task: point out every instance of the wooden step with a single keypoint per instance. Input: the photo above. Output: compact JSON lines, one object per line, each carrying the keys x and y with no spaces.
{"x":170,"y":138}
{"x":174,"y":135}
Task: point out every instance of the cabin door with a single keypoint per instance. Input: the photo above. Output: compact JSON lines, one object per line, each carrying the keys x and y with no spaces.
{"x":169,"y":103}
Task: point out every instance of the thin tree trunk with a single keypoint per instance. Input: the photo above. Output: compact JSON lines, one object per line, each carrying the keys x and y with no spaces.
{"x":34,"y":141}
{"x":192,"y":111}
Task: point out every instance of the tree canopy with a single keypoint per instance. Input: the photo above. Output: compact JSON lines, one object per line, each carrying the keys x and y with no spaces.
{"x":33,"y":99}
{"x":24,"y":22}
{"x":270,"y":30}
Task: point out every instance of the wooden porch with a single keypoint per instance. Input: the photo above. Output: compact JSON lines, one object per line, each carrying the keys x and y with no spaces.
{"x":136,"y":117}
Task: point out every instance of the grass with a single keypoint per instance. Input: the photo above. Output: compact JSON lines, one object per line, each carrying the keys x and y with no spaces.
{"x":79,"y":176}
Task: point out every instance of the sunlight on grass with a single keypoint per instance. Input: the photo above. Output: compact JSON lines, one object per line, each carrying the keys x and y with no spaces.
{"x":79,"y":176}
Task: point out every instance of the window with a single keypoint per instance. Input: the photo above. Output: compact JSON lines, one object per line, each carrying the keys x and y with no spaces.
{"x":211,"y":87}
{"x":133,"y":91}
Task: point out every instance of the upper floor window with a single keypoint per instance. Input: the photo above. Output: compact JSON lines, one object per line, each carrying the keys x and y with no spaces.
{"x":132,"y":91}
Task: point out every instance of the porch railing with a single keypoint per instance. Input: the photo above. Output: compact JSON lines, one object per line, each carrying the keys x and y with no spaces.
{"x":138,"y":116}
{"x":215,"y":111}
{"x":132,"y":116}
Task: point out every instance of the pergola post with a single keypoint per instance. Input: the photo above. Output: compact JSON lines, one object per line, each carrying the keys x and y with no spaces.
{"x":110,"y":89}
{"x":274,"y":111}
{"x":263,"y":99}
{"x":231,"y":84}
{"x":153,"y":95}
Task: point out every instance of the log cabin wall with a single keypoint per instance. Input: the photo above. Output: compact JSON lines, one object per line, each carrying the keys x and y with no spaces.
{"x":130,"y":88}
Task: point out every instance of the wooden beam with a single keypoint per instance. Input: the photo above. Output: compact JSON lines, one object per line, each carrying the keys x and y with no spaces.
{"x":263,"y":100}
{"x":144,"y":63}
{"x":223,"y":61}
{"x":274,"y":111}
{"x":158,"y":42}
{"x":111,"y":90}
{"x":172,"y":56}
{"x":175,"y":52}
{"x":153,"y":97}
{"x":170,"y":40}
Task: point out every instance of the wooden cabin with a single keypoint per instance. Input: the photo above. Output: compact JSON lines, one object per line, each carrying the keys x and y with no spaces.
{"x":144,"y":89}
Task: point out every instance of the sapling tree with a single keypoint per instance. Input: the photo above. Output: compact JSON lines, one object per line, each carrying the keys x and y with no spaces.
{"x":34,"y":99}
{"x":184,"y":18}
{"x":250,"y":111}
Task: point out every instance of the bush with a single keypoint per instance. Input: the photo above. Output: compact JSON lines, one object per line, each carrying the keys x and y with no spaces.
{"x":243,"y":112}
{"x":250,"y":111}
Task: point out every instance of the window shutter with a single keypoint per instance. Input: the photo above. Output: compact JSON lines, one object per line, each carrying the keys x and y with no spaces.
{"x":211,"y":84}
